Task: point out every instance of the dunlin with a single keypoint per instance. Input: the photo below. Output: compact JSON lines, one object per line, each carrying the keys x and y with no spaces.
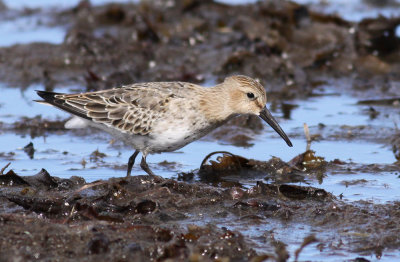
{"x":160,"y":117}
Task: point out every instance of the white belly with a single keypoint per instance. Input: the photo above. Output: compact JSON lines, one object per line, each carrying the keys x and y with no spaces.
{"x":170,"y":136}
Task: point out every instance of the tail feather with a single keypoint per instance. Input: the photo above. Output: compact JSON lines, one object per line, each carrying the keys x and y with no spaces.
{"x":50,"y":98}
{"x":47,"y":96}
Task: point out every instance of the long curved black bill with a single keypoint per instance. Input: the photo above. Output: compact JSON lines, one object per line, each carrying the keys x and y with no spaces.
{"x":267,"y":117}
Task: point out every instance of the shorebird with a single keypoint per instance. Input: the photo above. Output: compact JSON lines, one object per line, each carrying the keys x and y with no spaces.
{"x":160,"y":117}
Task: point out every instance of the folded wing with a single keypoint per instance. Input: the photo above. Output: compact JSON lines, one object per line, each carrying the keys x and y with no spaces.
{"x":131,"y":110}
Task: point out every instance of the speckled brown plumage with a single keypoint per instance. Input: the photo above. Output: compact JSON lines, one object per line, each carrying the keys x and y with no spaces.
{"x":164,"y":116}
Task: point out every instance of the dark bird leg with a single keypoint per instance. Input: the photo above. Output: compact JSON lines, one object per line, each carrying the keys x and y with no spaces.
{"x":145,"y":167}
{"x":131,"y":162}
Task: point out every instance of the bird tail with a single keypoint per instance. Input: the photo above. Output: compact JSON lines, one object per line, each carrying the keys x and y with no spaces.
{"x":55,"y":99}
{"x":49,"y":97}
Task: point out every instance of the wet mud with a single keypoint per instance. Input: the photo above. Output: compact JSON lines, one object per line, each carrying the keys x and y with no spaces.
{"x":142,"y":218}
{"x":204,"y":215}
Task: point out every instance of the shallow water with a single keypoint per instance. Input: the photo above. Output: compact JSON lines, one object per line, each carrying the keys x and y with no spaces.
{"x":28,"y":29}
{"x":261,"y":232}
{"x":62,"y":154}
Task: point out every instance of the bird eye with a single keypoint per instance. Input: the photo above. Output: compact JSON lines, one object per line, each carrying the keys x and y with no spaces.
{"x":250,"y":95}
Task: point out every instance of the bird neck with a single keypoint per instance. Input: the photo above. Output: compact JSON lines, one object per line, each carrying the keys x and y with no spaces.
{"x":215,"y":102}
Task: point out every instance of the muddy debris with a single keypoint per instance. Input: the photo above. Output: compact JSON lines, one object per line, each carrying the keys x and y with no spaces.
{"x":57,"y":204}
{"x":29,"y":150}
{"x":152,"y":240}
{"x":117,"y":44}
{"x":36,"y":126}
{"x":307,"y":241}
{"x":377,"y":36}
{"x":308,"y":161}
{"x":169,"y":165}
{"x":394,"y":101}
{"x":228,"y":163}
{"x":159,"y":211}
{"x":303,"y":166}
{"x":97,"y":156}
{"x":10,"y":179}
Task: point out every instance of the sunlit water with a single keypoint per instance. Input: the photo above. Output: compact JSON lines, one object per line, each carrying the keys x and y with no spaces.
{"x":63,"y":154}
{"x":265,"y":230}
{"x":28,"y":29}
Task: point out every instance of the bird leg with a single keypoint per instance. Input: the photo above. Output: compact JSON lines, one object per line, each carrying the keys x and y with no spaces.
{"x":131,"y":162}
{"x":145,"y":167}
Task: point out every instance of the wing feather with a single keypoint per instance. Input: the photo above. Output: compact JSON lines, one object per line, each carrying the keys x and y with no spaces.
{"x":131,"y":109}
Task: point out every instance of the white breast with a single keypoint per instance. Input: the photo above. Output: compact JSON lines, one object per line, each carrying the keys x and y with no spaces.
{"x":172,"y":134}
